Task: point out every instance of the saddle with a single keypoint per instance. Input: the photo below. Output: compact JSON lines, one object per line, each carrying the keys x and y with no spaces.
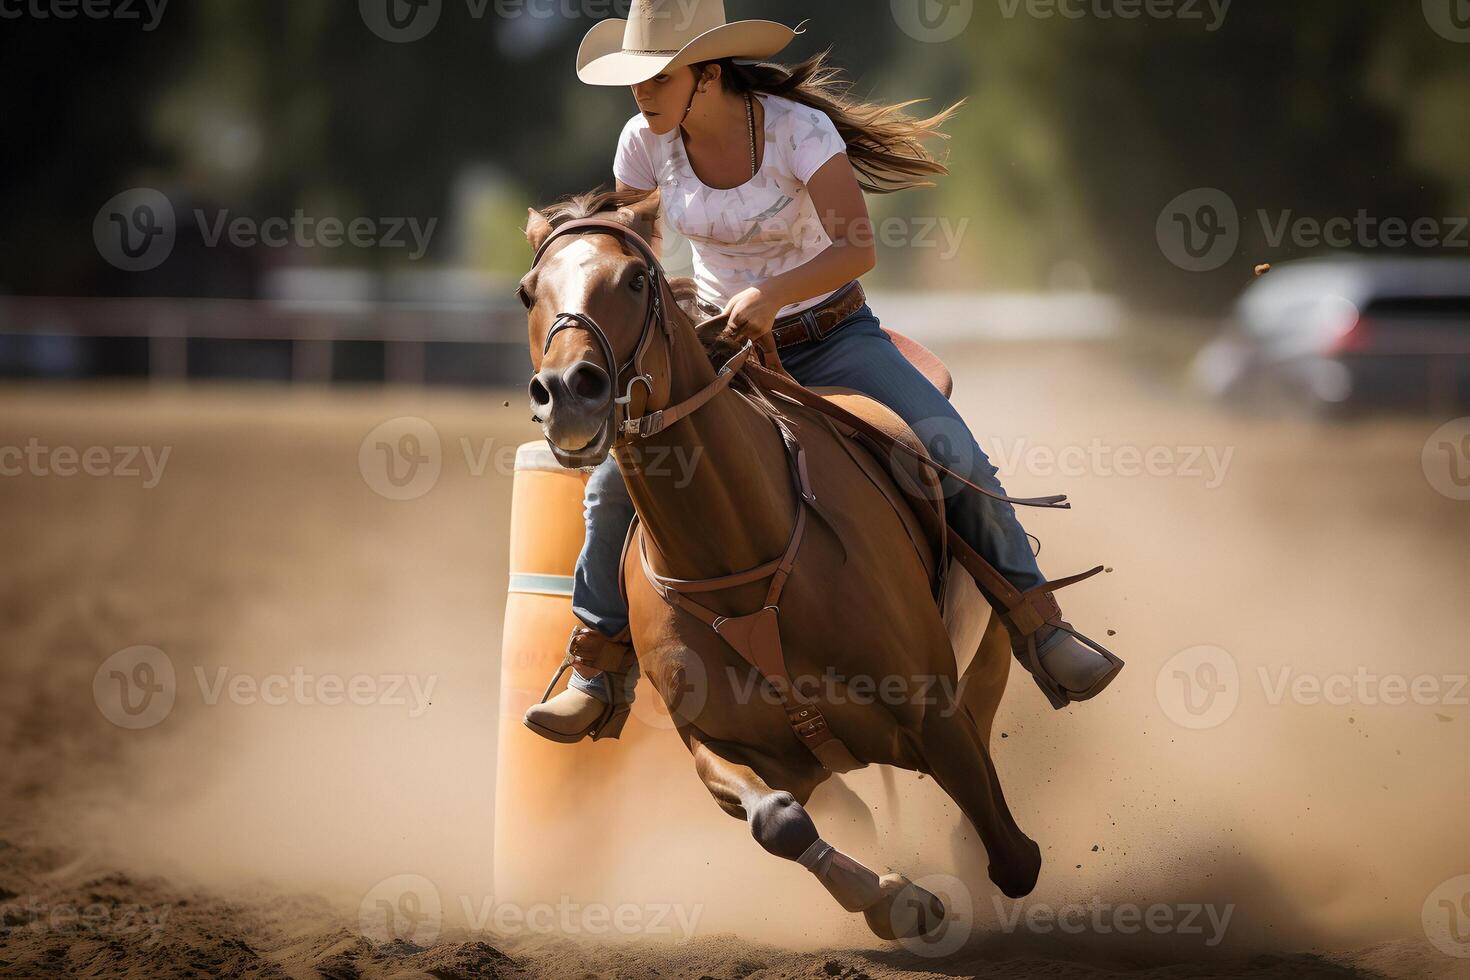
{"x":874,"y":437}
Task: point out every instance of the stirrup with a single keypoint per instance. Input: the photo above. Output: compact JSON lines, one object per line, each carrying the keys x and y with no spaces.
{"x":1060,"y":696}
{"x":589,"y":648}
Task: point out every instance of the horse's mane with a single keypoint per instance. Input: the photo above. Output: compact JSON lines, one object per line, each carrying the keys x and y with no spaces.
{"x":608,"y":203}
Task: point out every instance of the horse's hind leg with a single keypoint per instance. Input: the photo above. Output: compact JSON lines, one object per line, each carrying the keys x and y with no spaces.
{"x":961,"y":765}
{"x":894,"y":908}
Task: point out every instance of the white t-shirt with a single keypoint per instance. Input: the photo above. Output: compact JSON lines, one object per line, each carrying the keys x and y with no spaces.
{"x":743,"y":235}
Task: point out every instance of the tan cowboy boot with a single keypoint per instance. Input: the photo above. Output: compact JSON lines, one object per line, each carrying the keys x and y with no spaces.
{"x":573,"y":715}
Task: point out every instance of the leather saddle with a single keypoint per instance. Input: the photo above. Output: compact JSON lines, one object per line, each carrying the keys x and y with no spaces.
{"x":921,"y":357}
{"x":910,"y":488}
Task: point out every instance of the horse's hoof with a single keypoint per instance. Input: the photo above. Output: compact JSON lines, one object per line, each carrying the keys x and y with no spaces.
{"x":905,"y":911}
{"x":1019,"y":880}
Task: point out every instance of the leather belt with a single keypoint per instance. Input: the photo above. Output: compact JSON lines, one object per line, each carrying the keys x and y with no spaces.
{"x":816,"y":322}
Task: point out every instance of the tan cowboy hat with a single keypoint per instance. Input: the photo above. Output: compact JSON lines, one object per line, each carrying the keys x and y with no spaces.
{"x":663,"y":34}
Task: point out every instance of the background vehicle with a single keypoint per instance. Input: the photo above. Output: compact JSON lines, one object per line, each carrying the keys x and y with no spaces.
{"x":1326,"y":333}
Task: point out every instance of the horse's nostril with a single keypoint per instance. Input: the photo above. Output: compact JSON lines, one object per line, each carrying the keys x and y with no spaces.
{"x":539,"y":394}
{"x":588,"y":382}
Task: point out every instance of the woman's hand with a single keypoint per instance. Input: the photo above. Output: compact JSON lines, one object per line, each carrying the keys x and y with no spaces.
{"x":752,"y":313}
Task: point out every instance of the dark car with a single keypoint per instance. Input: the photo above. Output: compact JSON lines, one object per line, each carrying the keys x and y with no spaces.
{"x":1334,"y":333}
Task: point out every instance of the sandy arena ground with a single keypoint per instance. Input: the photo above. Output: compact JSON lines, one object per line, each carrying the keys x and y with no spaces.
{"x":1249,"y":781}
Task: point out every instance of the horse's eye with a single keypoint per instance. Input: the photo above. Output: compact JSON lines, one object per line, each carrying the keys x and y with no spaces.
{"x":524,"y":297}
{"x":637,"y":283}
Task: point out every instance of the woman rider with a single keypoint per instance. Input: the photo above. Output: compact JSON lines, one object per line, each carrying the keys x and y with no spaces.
{"x":757,"y":164}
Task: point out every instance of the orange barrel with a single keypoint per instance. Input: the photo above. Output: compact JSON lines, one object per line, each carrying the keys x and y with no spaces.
{"x":533,"y":774}
{"x":618,"y":821}
{"x":575,"y":820}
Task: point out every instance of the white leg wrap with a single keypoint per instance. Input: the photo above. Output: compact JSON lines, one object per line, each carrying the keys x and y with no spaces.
{"x":854,"y":886}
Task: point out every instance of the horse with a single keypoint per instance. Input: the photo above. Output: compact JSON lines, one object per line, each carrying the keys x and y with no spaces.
{"x":620,"y":368}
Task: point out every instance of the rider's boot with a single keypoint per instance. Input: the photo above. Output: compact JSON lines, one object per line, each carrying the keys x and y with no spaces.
{"x":573,"y":715}
{"x":1066,"y":665}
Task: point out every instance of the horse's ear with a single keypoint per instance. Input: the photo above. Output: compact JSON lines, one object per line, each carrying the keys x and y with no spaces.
{"x":537,"y":228}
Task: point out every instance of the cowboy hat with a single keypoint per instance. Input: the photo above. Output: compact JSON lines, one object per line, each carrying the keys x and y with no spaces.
{"x":663,"y":34}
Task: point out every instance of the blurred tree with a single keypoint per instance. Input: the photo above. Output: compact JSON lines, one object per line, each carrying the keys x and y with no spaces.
{"x":1075,"y":134}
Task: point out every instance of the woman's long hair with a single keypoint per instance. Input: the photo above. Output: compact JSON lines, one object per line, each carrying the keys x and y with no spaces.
{"x":883,"y":143}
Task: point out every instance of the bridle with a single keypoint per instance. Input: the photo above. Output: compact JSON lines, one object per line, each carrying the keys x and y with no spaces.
{"x":623,"y":424}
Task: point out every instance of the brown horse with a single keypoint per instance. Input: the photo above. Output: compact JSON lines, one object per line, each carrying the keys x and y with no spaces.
{"x":612,"y":348}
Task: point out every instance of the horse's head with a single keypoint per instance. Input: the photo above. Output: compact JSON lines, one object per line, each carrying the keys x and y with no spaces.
{"x":597,"y":310}
{"x":593,"y":307}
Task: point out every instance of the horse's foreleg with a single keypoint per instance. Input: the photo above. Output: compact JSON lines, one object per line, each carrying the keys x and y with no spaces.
{"x":961,"y":765}
{"x":892,"y":906}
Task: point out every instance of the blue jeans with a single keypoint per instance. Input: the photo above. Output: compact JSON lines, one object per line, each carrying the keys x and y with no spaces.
{"x":858,"y":356}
